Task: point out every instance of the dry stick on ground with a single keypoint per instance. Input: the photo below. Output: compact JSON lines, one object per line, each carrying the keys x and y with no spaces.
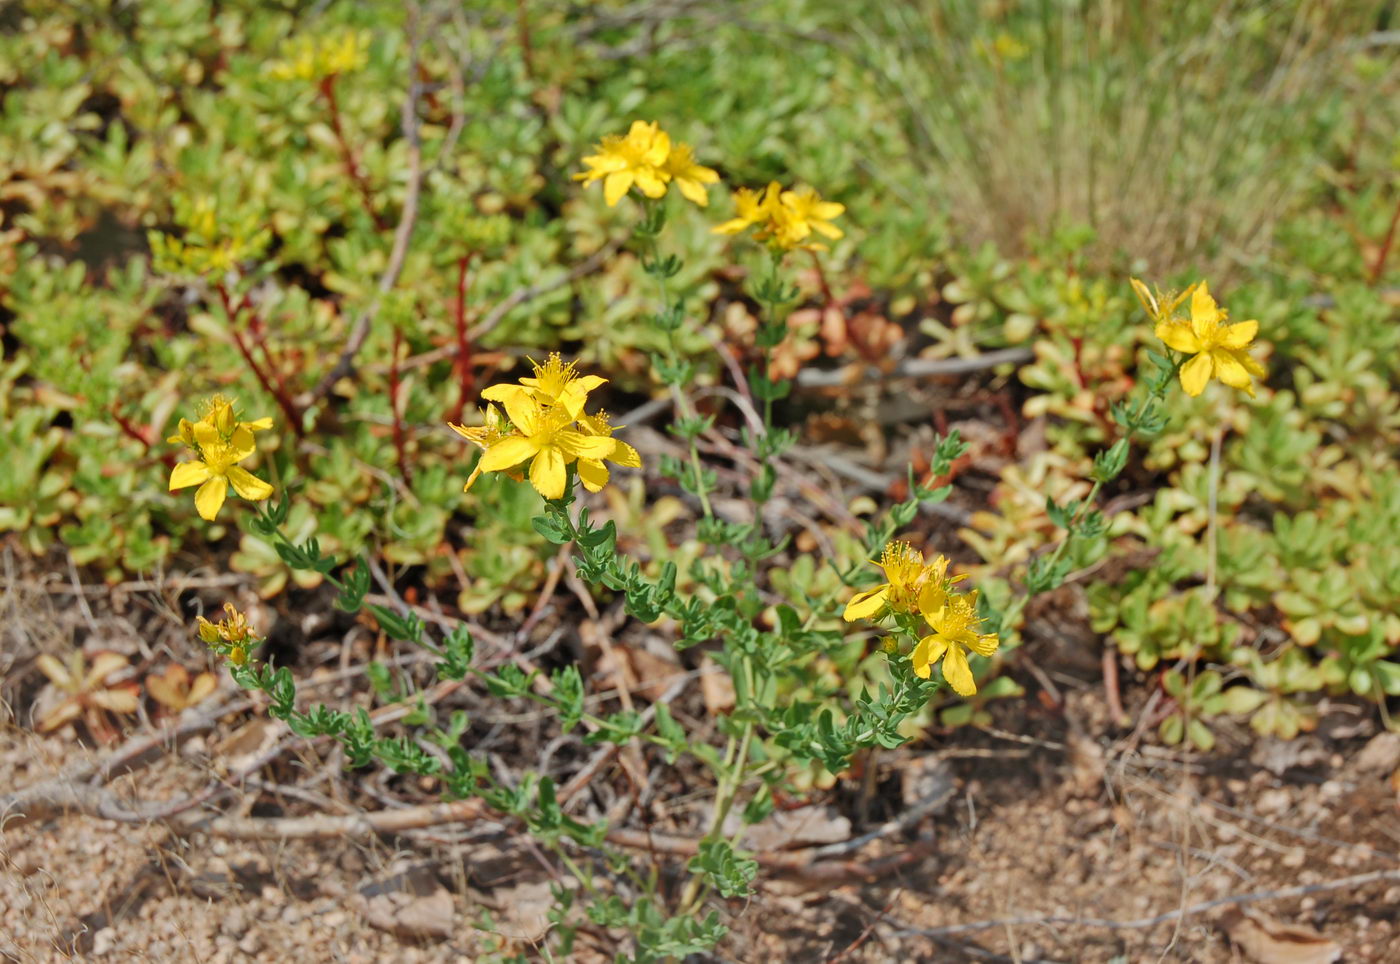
{"x":1343,"y":883}
{"x":345,"y":364}
{"x":81,"y":789}
{"x":911,"y":368}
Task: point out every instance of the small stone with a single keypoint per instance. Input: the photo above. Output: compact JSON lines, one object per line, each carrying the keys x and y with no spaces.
{"x":104,"y":941}
{"x":1380,"y":755}
{"x":252,"y":943}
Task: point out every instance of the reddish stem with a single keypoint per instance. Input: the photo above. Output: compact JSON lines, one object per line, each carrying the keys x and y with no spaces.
{"x":399,"y":448}
{"x":462,"y":363}
{"x":1078,"y":344}
{"x":1379,"y":267}
{"x":279,"y":390}
{"x":142,"y":435}
{"x":351,"y":165}
{"x":522,"y":27}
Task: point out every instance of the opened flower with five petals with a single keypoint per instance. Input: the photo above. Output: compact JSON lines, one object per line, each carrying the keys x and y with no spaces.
{"x":1220,"y":349}
{"x":220,"y":441}
{"x":545,"y":437}
{"x":954,"y":627}
{"x":784,"y":219}
{"x":636,"y":159}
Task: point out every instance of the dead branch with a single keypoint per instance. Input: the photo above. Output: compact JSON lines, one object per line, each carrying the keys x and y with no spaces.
{"x":1344,"y":883}
{"x":345,"y":364}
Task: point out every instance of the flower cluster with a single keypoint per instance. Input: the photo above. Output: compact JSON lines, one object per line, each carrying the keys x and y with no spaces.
{"x":315,"y":58}
{"x":219,"y":441}
{"x":785,"y":219}
{"x":647,"y":159}
{"x":916,"y":588}
{"x":1219,"y":349}
{"x":230,"y":637}
{"x":208,"y":246}
{"x":544,"y":424}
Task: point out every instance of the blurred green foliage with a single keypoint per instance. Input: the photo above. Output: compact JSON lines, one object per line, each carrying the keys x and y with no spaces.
{"x":275,"y":205}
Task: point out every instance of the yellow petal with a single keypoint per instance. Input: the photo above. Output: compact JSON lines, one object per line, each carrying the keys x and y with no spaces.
{"x":593,"y":474}
{"x":615,"y":185}
{"x":865,"y":604}
{"x":932,"y":597}
{"x":660,"y":147}
{"x":651,"y":182}
{"x":248,"y":485}
{"x":209,"y":497}
{"x":984,"y":645}
{"x":1179,"y":337}
{"x":923,"y":666}
{"x":1195,"y":374}
{"x":242,"y":444}
{"x":693,"y":191}
{"x":188,"y":473}
{"x":258,"y":424}
{"x":506,"y":453}
{"x":1238,"y":335}
{"x":1229,"y":370}
{"x":929,"y":651}
{"x":958,"y":673}
{"x":499,"y":393}
{"x":1145,"y":297}
{"x":547,"y":473}
{"x":1205,"y":314}
{"x":625,"y":455}
{"x":523,"y":412}
{"x":576,"y":445}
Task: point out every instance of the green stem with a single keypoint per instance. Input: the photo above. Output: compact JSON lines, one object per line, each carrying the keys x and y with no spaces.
{"x":732,"y":778}
{"x":684,"y":409}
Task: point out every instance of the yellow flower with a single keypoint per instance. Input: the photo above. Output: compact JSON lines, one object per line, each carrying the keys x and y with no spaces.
{"x":954,"y":628}
{"x":784,"y":219}
{"x":905,"y":570}
{"x":1220,"y":348}
{"x":547,"y":440}
{"x":213,"y":242}
{"x":554,"y":383}
{"x":689,"y":176}
{"x":639,"y":158}
{"x":231,"y":636}
{"x":592,"y":472}
{"x":314,"y":58}
{"x":803,"y":211}
{"x":751,"y":207}
{"x":220,"y":441}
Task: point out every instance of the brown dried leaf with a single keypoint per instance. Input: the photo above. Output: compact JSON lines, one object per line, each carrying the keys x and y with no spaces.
{"x":716,"y":688}
{"x":1264,"y":940}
